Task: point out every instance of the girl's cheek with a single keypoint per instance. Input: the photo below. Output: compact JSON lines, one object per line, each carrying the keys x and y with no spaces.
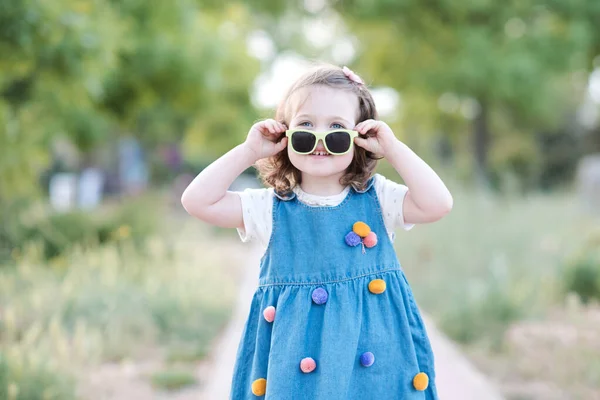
{"x":294,"y":158}
{"x":347,"y":159}
{"x":343,"y":162}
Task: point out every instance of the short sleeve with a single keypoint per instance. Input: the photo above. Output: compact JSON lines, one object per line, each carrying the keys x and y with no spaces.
{"x":391,"y":197}
{"x":257,"y":206}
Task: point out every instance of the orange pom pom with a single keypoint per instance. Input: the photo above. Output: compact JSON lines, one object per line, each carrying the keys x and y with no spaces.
{"x":361,"y":229}
{"x":377,"y":286}
{"x":259,"y":387}
{"x":421,"y":381}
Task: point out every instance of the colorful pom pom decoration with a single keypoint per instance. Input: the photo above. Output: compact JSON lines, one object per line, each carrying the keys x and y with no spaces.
{"x":308,"y":365}
{"x":370,"y":240}
{"x":377,"y":286}
{"x":367,"y":359}
{"x":259,"y":387}
{"x":421,"y":381}
{"x":361,"y":229}
{"x":352,"y":239}
{"x":269,"y":314}
{"x":319,"y":296}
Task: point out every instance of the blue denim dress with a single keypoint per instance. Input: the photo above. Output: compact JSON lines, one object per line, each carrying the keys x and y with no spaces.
{"x":343,"y":313}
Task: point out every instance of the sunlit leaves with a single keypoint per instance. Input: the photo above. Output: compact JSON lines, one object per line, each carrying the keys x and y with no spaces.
{"x":91,"y":69}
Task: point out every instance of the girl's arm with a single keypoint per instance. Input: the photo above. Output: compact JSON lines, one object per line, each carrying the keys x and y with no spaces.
{"x":207,"y":197}
{"x":427,"y":199}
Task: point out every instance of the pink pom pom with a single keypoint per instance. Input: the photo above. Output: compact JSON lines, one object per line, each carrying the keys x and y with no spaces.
{"x":308,"y":365}
{"x":269,"y":314}
{"x":370,"y":240}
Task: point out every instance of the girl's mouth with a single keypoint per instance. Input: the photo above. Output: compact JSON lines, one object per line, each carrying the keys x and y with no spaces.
{"x":320,"y":153}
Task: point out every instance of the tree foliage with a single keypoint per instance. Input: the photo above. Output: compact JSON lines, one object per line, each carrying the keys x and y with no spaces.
{"x":91,"y":70}
{"x":512,"y":58}
{"x":511,"y":67}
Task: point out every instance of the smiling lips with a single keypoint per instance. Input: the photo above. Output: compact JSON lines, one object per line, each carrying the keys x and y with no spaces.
{"x":319,"y":153}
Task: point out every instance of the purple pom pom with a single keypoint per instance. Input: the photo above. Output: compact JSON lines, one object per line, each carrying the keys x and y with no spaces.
{"x":352,"y":239}
{"x":319,"y":296}
{"x":367,"y":359}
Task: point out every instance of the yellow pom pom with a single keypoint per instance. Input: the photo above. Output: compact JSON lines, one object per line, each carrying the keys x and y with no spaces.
{"x":377,"y":286}
{"x":421,"y":381}
{"x":259,"y":387}
{"x":361,"y":229}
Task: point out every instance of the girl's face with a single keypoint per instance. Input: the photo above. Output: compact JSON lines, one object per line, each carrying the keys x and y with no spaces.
{"x":323,"y":109}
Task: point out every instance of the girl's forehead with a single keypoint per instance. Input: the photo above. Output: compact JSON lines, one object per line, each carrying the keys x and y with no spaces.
{"x":324,"y":101}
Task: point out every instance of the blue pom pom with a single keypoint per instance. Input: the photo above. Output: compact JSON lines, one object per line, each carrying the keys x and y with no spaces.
{"x":319,"y":296}
{"x":367,"y":359}
{"x":352,"y":239}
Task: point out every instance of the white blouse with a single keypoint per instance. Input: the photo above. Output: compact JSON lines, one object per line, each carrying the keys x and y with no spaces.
{"x":257,"y":206}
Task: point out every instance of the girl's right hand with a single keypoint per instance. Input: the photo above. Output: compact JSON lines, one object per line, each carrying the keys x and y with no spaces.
{"x":263,"y":138}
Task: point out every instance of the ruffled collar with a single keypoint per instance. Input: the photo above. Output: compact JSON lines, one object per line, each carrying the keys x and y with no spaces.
{"x":319,"y":201}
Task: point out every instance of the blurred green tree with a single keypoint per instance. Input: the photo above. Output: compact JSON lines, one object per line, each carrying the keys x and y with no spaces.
{"x":90,"y":70}
{"x":507,"y":60}
{"x":502,"y":70}
{"x":184,"y":74}
{"x":51,"y":67}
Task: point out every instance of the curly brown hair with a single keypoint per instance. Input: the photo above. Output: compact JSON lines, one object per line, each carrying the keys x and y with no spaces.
{"x":279,"y":172}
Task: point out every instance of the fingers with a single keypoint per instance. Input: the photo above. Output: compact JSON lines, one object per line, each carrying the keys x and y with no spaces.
{"x":277,"y":147}
{"x":365,"y":143}
{"x":367,"y":125}
{"x":369,"y":144}
{"x":361,"y":142}
{"x":272,"y":126}
{"x":271,"y":129}
{"x":282,"y":144}
{"x":360,"y":125}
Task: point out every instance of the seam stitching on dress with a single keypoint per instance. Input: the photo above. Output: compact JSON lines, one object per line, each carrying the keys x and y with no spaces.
{"x":334,"y":281}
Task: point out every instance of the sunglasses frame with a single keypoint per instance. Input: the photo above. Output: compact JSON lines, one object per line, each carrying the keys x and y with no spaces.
{"x":321,"y":136}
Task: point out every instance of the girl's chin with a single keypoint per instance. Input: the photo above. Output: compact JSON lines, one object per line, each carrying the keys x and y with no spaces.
{"x":323,"y":171}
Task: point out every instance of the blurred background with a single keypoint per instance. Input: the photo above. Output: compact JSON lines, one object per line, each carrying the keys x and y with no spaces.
{"x":108,"y":109}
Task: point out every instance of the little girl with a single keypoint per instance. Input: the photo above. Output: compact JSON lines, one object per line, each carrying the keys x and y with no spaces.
{"x":333,"y":316}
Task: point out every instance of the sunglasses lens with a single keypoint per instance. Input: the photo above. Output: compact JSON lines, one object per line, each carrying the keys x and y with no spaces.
{"x":338,"y":142}
{"x":303,"y":142}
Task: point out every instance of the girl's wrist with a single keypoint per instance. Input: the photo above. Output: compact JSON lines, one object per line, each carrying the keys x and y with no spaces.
{"x":393,"y":149}
{"x":247,"y":154}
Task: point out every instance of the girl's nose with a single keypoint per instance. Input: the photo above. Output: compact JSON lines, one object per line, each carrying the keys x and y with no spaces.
{"x":320,"y":146}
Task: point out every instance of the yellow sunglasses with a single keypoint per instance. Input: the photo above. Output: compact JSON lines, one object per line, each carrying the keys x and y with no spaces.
{"x":337,"y":141}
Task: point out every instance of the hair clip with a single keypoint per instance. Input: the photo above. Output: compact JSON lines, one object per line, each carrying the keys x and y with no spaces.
{"x":352,"y":76}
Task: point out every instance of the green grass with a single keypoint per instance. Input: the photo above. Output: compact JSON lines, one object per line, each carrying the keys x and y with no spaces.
{"x":187,"y":354}
{"x":26,"y":377}
{"x":498,"y":273}
{"x":173,"y":379}
{"x":112,"y":303}
{"x":492,"y":260}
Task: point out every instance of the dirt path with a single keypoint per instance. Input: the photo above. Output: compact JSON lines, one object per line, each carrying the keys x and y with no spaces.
{"x":457,"y":379}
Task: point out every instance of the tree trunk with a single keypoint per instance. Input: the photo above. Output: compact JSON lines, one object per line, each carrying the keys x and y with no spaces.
{"x":481,"y":145}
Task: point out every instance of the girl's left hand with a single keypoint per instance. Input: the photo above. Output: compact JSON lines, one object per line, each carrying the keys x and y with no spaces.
{"x":381,"y":138}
